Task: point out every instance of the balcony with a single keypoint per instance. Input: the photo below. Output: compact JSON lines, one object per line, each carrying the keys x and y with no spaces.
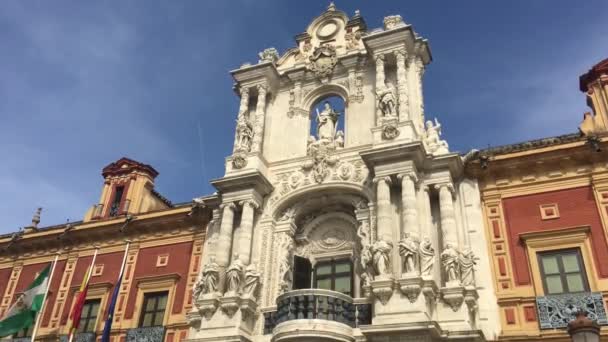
{"x":79,"y":337}
{"x":314,"y":313}
{"x":555,"y":311}
{"x":147,"y":334}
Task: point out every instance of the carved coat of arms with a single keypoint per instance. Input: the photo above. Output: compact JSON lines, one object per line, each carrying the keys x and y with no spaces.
{"x":323,"y":60}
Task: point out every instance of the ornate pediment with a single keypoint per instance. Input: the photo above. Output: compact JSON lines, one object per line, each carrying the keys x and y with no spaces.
{"x":323,"y":60}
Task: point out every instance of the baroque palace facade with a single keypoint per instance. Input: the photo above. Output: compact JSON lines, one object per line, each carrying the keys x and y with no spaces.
{"x":343,"y":216}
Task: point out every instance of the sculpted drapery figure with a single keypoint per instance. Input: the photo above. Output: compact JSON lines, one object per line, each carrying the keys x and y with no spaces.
{"x":211,"y":274}
{"x":252,"y":280}
{"x":467,"y":268}
{"x":244,"y":134}
{"x":408,"y":250}
{"x":387,"y":102}
{"x":234,"y":274}
{"x":450,"y":261}
{"x":427,"y":257}
{"x":381,"y":253}
{"x":327,"y":121}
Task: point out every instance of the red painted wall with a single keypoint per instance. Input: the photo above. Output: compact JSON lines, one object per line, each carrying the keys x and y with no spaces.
{"x":111,"y":266}
{"x":5,"y":275}
{"x":179,"y":261}
{"x":577,"y":207}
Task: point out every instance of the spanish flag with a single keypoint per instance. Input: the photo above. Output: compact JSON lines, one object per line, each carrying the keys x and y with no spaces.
{"x":82,"y":297}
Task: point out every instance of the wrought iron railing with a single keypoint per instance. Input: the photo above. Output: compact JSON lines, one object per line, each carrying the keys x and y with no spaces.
{"x":556,"y":311}
{"x":147,"y":334}
{"x":317,"y":304}
{"x":79,"y":337}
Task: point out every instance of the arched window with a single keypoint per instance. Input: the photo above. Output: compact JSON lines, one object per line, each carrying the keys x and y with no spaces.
{"x":327,"y":120}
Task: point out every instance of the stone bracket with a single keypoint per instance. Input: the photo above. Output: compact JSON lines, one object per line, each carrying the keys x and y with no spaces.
{"x":470,"y":298}
{"x":410,"y":287}
{"x":382,"y":289}
{"x":230,"y":305}
{"x":453,"y":296}
{"x":248,"y":308}
{"x":208,"y":305}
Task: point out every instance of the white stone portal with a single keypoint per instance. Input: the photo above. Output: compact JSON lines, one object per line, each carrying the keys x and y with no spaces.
{"x":370,"y":233}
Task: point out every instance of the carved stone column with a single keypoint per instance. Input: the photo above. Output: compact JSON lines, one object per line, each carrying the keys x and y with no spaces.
{"x":404,"y":113}
{"x":447,"y":214}
{"x":244,"y":239}
{"x":383,"y":202}
{"x":410,"y":205}
{"x":419,"y":68}
{"x":243,"y":108}
{"x":260,"y":118}
{"x":224,"y":240}
{"x":379,"y":71}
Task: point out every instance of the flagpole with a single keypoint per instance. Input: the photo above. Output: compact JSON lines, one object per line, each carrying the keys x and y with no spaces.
{"x":104,"y":337}
{"x":46,"y":291}
{"x":88,"y":275}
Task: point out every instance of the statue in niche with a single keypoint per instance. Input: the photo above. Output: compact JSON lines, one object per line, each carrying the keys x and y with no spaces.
{"x":427,"y":257}
{"x":433,"y":141}
{"x":387,"y":102}
{"x":234,"y":274}
{"x":327,"y":121}
{"x":252,"y":280}
{"x":340,"y":139}
{"x":451,"y":263}
{"x":211,"y":274}
{"x":381,"y":254}
{"x":467,"y":267}
{"x":408,"y":250}
{"x":244,"y":132}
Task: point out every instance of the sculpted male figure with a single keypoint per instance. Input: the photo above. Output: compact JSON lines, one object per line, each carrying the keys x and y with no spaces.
{"x":210,"y":276}
{"x":252,"y":280}
{"x":467,"y":268}
{"x":233,"y":274}
{"x":381,"y":251}
{"x":450,"y":262}
{"x":427,"y":257}
{"x":408,"y":249}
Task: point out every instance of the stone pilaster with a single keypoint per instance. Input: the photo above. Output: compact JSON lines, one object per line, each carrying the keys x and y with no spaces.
{"x":401,"y":57}
{"x":260,"y":118}
{"x":419,"y":71}
{"x":245,"y":236}
{"x":380,"y":71}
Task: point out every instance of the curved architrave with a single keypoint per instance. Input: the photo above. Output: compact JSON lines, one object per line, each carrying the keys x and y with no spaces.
{"x":323,"y":91}
{"x":316,"y":222}
{"x":351,"y":192}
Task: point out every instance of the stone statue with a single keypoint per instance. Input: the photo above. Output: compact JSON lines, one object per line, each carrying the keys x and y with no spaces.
{"x":244,"y":134}
{"x":365,"y":262}
{"x":211,"y":274}
{"x":252,"y":280}
{"x":387,"y":102}
{"x":198,"y":288}
{"x":427,"y":257}
{"x":467,"y":268}
{"x":234,"y":274}
{"x":340,"y":139}
{"x":435,"y":144}
{"x":408,"y":250}
{"x":327,"y":123}
{"x":450,"y":262}
{"x":381,"y":254}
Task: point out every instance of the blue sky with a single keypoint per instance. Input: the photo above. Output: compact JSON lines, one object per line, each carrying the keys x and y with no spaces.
{"x":83,"y":83}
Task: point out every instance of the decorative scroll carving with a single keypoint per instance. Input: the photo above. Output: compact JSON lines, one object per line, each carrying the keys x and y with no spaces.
{"x":269,"y":55}
{"x":286,"y":247}
{"x":390,"y":130}
{"x":323,"y":60}
{"x":556,"y":311}
{"x":239,"y":160}
{"x":393,"y":21}
{"x":352,"y":39}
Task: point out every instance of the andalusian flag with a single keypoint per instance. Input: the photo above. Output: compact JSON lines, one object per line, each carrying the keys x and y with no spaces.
{"x":23,"y":313}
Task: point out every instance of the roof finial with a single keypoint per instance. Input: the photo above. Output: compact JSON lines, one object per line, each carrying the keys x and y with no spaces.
{"x":357,"y":13}
{"x":331,"y":7}
{"x":36,"y":218}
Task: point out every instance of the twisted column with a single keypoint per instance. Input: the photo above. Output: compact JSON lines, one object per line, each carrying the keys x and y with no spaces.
{"x":409,"y":211}
{"x":260,"y":114}
{"x":245,"y":237}
{"x":447,"y":214}
{"x":401,"y":57}
{"x":224,"y":240}
{"x":383,"y":200}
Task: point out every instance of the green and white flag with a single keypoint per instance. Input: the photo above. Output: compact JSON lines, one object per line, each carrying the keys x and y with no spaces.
{"x":23,"y":313}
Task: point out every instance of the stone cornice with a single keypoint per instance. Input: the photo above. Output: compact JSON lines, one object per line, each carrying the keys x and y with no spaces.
{"x":252,"y":180}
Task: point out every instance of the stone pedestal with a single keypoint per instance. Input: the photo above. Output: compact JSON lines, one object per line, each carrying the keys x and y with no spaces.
{"x":207,"y":304}
{"x":453,"y":296}
{"x":230,"y":303}
{"x":391,"y":129}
